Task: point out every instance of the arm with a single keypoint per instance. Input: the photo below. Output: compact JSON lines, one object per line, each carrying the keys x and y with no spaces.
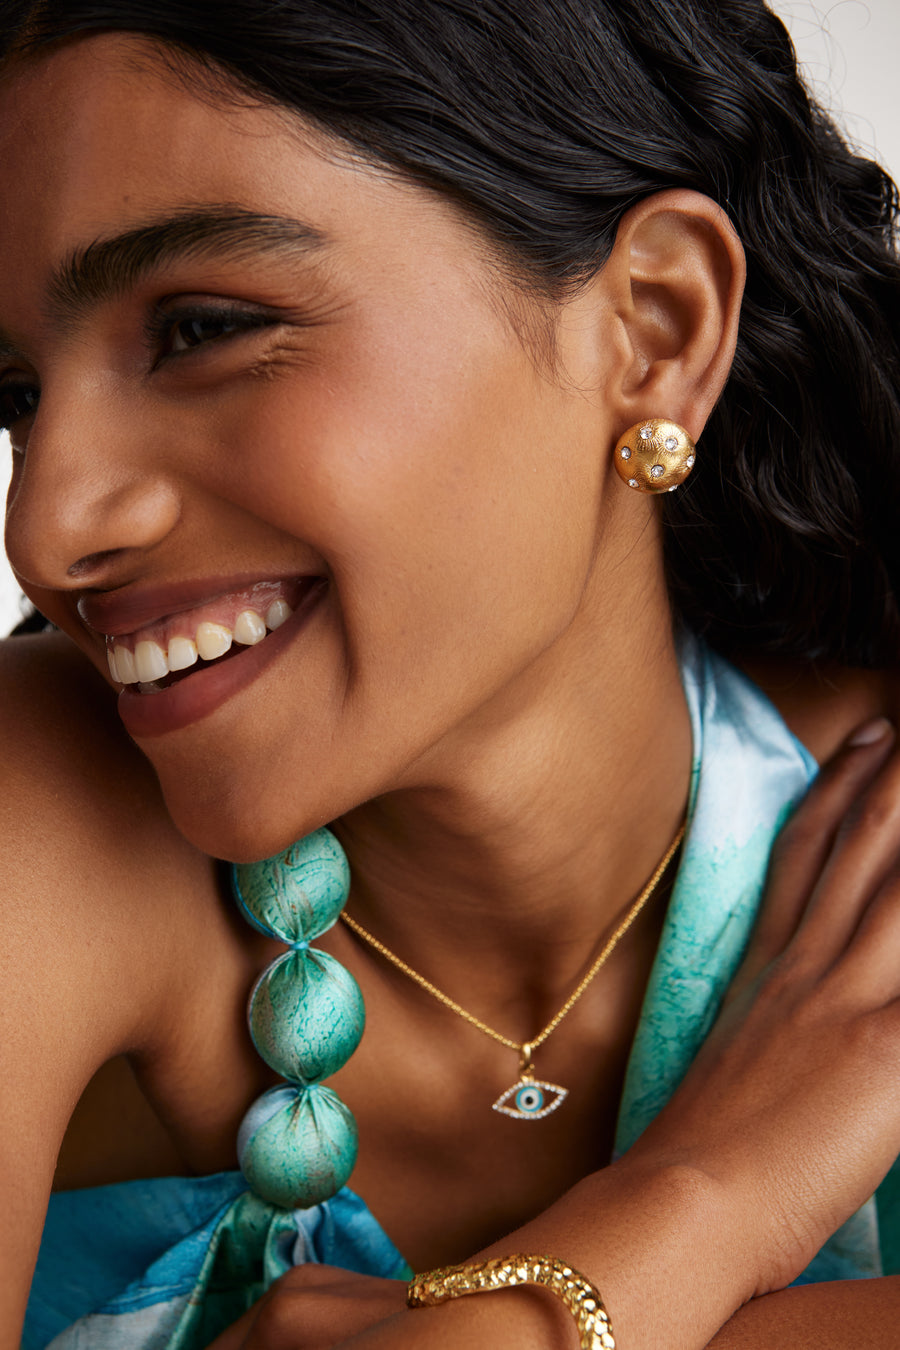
{"x":756,"y":1160}
{"x":861,"y":1313}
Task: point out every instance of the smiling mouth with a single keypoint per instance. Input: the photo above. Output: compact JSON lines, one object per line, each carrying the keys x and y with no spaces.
{"x":156,"y":657}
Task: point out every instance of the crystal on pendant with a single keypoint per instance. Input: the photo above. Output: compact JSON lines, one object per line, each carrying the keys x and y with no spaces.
{"x":646,"y":433}
{"x":625,"y":452}
{"x":671,"y":443}
{"x":632,"y":482}
{"x":690,"y":461}
{"x":657,"y":471}
{"x":531,"y":1100}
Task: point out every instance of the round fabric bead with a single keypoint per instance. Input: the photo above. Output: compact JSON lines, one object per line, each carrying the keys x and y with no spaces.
{"x":297,"y":1144}
{"x":302,"y":1153}
{"x":297,"y":895}
{"x":306,"y":1016}
{"x":263,"y":1109}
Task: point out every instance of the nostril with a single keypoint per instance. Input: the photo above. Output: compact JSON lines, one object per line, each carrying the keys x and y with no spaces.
{"x":92,"y":562}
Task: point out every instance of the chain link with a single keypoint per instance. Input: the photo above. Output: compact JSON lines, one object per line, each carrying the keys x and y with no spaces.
{"x":604,"y":955}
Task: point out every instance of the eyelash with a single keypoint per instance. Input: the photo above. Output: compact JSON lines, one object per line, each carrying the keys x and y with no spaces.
{"x":11,"y":411}
{"x":19,"y":400}
{"x":161,"y":330}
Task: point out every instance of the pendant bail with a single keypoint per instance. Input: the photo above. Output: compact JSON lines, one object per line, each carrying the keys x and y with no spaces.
{"x":526,"y":1068}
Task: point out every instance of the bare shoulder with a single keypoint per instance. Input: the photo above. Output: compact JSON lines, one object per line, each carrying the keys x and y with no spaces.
{"x":58,"y":728}
{"x":91,"y":912}
{"x":116,"y":938}
{"x":94,"y":876}
{"x":88,"y":845}
{"x":822,"y":704}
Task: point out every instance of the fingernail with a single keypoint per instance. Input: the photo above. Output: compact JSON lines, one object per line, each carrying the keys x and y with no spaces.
{"x":870,"y":732}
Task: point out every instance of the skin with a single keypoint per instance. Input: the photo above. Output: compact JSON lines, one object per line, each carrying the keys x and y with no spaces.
{"x":460,"y":703}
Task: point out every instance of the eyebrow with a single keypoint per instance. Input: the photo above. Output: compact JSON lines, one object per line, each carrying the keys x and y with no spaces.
{"x":110,"y":267}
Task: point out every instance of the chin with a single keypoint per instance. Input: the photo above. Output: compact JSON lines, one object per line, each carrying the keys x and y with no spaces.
{"x":231,"y":824}
{"x":246,"y":813}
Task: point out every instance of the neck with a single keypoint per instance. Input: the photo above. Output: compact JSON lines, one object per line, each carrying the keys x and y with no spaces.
{"x":527,"y":839}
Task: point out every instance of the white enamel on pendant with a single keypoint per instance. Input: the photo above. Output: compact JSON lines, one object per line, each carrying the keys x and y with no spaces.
{"x":531,"y":1100}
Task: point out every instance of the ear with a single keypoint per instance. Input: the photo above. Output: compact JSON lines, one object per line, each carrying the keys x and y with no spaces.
{"x":674,"y":279}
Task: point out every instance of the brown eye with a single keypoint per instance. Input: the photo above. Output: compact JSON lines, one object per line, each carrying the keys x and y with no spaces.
{"x":190,"y":333}
{"x":17,"y":401}
{"x":176,"y":331}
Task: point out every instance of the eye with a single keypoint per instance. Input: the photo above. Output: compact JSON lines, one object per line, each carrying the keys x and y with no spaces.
{"x":175,"y":331}
{"x":188,"y":333}
{"x":17,"y":401}
{"x":530,"y":1100}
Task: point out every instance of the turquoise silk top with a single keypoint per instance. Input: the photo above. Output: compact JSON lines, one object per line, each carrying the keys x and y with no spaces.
{"x":167,"y":1264}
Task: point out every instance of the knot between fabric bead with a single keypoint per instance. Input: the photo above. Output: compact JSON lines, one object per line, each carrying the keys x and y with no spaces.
{"x":298,"y":1142}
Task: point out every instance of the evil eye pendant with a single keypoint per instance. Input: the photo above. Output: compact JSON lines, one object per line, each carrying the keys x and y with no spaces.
{"x":530,"y":1100}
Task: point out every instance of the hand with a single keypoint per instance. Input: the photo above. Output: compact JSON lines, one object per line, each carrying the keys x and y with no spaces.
{"x":314,"y":1308}
{"x":793,"y":1104}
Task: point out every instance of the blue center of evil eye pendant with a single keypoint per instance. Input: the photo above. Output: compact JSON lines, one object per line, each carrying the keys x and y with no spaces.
{"x":530,"y":1100}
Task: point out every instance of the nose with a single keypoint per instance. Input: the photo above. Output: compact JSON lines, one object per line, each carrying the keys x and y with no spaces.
{"x":86,"y":503}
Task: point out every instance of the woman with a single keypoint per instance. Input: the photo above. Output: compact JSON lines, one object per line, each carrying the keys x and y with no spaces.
{"x":326,"y":330}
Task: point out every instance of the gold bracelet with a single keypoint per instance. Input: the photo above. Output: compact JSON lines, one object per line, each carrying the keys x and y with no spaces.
{"x":578,"y":1294}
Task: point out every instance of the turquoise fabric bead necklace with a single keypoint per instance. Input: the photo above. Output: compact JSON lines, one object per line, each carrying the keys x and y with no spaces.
{"x":297,"y":1144}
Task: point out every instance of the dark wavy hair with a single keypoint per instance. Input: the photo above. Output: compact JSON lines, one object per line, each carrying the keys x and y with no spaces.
{"x":546,"y":120}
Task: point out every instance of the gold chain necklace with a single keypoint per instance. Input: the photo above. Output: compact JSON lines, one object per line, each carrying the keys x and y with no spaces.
{"x":528,"y":1093}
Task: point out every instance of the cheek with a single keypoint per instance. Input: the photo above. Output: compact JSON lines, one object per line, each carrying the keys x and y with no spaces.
{"x":458,"y":525}
{"x":453,"y":477}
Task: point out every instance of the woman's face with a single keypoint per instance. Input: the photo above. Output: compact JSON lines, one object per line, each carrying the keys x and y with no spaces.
{"x":240,"y":369}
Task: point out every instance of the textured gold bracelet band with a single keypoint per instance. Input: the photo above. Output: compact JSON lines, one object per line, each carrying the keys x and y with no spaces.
{"x":578,"y":1294}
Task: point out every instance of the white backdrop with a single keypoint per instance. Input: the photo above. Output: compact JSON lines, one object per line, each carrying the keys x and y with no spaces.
{"x":849,"y":51}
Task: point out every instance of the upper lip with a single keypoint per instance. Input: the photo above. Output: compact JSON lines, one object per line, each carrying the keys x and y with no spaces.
{"x":113,"y":614}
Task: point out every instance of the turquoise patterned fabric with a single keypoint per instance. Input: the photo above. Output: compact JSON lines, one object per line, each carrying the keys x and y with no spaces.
{"x":166,"y":1264}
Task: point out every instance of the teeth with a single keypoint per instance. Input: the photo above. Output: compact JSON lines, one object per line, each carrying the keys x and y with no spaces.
{"x":249,"y":628}
{"x":182,"y":653}
{"x":150,"y":662}
{"x":278,"y":611}
{"x":213,"y":639}
{"x":125,"y":665}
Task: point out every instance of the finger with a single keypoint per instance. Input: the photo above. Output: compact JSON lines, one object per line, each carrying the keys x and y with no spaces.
{"x":315,"y":1275}
{"x":235,"y":1337}
{"x":313,"y":1307}
{"x":866,"y":849}
{"x":868,"y":976}
{"x":804,"y":845}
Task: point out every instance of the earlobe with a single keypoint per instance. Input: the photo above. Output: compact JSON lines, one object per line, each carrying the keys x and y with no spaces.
{"x":677,"y":269}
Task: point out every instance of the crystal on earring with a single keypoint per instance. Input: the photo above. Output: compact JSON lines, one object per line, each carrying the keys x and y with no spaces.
{"x":625,"y":452}
{"x":657,"y":471}
{"x":632,"y":482}
{"x":690,"y":461}
{"x":646,"y":433}
{"x":671,"y":442}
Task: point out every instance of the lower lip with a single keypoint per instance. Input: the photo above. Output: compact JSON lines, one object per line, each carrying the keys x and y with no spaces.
{"x":196,"y":696}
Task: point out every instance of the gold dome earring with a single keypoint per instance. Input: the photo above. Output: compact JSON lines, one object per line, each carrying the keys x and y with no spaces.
{"x":655,"y":455}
